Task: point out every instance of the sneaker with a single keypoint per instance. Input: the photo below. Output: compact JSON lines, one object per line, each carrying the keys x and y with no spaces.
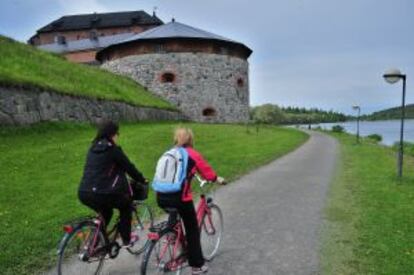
{"x":199,"y":270}
{"x":134,"y":238}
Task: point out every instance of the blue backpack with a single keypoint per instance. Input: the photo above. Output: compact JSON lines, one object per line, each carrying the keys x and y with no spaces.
{"x":171,"y":171}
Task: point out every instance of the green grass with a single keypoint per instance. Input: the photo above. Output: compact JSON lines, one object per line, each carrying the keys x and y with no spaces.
{"x":41,"y":166}
{"x":24,"y":66}
{"x":370,"y":213}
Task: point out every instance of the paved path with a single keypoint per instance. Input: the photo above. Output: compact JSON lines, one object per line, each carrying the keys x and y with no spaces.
{"x":272,"y":216}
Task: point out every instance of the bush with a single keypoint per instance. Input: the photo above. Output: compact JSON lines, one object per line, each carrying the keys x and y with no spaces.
{"x":375,"y":137}
{"x":338,"y":129}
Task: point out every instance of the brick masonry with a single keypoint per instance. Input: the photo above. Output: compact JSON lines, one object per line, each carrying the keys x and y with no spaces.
{"x":206,"y":83}
{"x":20,"y":106}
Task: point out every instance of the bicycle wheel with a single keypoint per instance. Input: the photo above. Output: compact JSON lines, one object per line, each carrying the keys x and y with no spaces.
{"x":82,"y":251}
{"x":211,"y":231}
{"x":163,"y":256}
{"x":142,"y":221}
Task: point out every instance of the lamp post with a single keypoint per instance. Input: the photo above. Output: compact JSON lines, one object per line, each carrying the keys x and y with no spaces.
{"x":356,"y":107}
{"x":393,"y":76}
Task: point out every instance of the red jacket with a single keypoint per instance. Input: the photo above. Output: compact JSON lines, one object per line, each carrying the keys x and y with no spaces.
{"x":196,"y":163}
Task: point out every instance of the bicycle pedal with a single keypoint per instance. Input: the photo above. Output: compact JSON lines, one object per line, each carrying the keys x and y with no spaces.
{"x":84,"y":257}
{"x":114,"y":250}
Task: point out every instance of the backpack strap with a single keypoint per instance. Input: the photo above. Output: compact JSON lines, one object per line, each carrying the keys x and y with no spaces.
{"x":184,"y":155}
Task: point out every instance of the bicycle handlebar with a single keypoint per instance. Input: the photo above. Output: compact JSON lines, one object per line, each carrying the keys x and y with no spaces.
{"x":202,"y":182}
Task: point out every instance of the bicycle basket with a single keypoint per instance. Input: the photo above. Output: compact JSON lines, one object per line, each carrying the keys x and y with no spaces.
{"x":140,"y":191}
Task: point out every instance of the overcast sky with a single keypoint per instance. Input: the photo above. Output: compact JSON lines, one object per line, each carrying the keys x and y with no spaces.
{"x":328,"y":54}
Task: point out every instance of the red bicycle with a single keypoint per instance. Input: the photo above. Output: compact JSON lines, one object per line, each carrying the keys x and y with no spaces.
{"x":166,"y":253}
{"x":86,"y":244}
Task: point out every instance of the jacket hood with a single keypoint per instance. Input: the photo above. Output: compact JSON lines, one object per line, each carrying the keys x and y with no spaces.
{"x":102,"y":146}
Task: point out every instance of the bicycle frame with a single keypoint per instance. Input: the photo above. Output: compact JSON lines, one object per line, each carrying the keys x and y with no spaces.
{"x":203,"y":210}
{"x":100,"y":224}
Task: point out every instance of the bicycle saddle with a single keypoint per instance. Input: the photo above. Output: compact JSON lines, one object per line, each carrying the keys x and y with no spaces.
{"x":171,"y":210}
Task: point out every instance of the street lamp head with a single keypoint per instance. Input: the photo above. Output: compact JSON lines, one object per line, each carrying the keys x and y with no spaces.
{"x":393,"y":76}
{"x":355,"y":107}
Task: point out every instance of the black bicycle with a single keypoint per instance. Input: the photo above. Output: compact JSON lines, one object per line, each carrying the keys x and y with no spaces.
{"x":86,"y":244}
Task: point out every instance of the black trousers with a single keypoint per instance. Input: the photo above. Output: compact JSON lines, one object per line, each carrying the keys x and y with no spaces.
{"x":192,"y":232}
{"x":105,"y":203}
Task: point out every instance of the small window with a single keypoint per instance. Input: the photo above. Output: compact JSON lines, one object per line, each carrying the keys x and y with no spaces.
{"x":209,"y":112}
{"x":167,"y":77}
{"x":159,"y":48}
{"x":224,"y":50}
{"x":93,"y":35}
{"x":240,"y":82}
{"x":60,"y":39}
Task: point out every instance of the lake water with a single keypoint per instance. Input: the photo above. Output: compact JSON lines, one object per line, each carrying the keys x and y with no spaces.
{"x":388,"y":129}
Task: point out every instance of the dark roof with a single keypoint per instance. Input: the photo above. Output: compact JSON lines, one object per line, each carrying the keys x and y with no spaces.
{"x":85,"y":44}
{"x":175,"y":30}
{"x":101,"y":20}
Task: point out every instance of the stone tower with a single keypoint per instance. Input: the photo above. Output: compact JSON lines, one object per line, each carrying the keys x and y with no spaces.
{"x":205,"y":75}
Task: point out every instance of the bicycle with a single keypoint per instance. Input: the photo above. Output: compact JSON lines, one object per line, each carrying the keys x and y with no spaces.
{"x":86,"y":244}
{"x":166,"y":252}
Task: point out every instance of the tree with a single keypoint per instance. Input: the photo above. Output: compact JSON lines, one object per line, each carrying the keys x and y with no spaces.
{"x":268,"y":114}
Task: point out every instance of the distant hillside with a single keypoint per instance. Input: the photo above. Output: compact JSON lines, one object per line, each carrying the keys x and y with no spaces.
{"x":273,"y":114}
{"x":23,"y":65}
{"x":392,"y":113}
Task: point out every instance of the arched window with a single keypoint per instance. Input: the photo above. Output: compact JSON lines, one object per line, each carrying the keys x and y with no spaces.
{"x":240,"y":82}
{"x":209,"y":111}
{"x":167,"y":77}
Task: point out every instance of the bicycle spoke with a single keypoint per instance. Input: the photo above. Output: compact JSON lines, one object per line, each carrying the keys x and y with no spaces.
{"x":82,"y":252}
{"x":163,"y":257}
{"x":211,"y":232}
{"x":142,"y":220}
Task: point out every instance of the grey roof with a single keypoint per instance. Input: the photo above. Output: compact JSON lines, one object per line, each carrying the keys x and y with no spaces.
{"x":101,"y":20}
{"x":176,"y":30}
{"x":86,"y":44}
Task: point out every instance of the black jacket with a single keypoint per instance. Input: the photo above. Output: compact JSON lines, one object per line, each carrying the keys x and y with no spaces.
{"x":106,"y":168}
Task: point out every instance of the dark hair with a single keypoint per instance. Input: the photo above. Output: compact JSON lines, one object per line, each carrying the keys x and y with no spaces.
{"x":106,"y":130}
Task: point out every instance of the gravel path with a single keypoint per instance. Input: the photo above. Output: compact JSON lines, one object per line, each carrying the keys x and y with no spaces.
{"x":272,"y":216}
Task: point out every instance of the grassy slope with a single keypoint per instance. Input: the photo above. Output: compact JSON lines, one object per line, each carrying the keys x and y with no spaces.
{"x":41,"y":167}
{"x":24,"y":65}
{"x":370,"y":228}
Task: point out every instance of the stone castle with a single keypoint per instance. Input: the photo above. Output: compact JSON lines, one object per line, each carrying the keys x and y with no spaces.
{"x":205,"y":75}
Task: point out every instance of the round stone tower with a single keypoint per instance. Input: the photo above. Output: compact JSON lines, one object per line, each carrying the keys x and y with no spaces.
{"x":205,"y":75}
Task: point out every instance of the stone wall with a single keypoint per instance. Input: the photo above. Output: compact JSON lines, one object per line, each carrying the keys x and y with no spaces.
{"x":201,"y":82}
{"x":24,"y":106}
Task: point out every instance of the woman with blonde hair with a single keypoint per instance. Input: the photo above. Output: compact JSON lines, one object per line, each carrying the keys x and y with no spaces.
{"x":183,"y":199}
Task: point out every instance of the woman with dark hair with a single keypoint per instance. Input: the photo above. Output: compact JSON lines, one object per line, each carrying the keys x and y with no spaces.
{"x":104,"y":185}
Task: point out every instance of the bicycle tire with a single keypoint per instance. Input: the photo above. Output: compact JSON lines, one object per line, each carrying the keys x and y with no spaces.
{"x":211,"y":231}
{"x":142,"y":221}
{"x":72,"y":252}
{"x":152,"y":262}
